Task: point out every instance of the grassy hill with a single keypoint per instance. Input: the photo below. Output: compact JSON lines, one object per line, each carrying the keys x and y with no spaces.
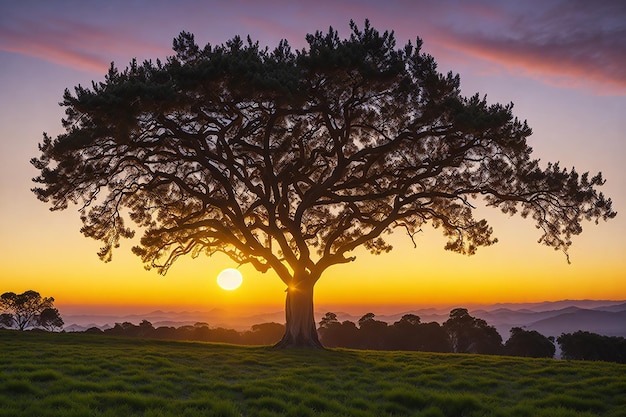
{"x":71,"y":375}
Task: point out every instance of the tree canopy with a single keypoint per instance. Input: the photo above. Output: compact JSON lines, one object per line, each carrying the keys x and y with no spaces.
{"x":290,"y":160}
{"x":29,"y":309}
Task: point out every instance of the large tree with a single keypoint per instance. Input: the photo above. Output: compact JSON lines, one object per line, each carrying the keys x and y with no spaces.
{"x":290,"y":160}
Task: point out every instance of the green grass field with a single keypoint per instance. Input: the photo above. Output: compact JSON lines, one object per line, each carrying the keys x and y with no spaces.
{"x":84,"y":375}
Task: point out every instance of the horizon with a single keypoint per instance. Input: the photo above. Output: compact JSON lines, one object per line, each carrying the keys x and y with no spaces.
{"x":574,"y":101}
{"x":382,"y":310}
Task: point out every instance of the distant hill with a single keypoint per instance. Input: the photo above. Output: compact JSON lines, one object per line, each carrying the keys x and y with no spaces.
{"x":548,"y":318}
{"x":602,"y":322}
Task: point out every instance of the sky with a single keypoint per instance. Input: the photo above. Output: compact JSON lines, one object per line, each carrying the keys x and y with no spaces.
{"x":562,"y":64}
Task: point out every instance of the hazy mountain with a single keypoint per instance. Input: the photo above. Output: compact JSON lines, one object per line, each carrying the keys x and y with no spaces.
{"x":548,"y":318}
{"x":607,"y":323}
{"x":614,"y":308}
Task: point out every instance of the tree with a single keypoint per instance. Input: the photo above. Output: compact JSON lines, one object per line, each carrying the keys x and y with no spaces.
{"x":28,"y":309}
{"x":582,"y":345}
{"x":264,"y":333}
{"x":373,"y":334}
{"x":470,"y":334}
{"x":405,"y":334}
{"x":50,"y":319}
{"x":291,"y":160}
{"x":529,"y":343}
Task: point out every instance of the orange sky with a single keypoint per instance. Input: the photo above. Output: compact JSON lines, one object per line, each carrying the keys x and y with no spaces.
{"x":575,"y":107}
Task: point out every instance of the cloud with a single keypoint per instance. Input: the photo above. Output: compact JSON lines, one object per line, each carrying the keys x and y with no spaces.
{"x":571,"y":47}
{"x":72,"y":44}
{"x":570,"y":43}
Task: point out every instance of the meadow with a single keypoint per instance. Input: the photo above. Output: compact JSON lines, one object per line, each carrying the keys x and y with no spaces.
{"x":77,"y":375}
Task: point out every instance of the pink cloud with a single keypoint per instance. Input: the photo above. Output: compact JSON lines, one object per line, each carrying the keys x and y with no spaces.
{"x":72,"y":44}
{"x":571,"y":48}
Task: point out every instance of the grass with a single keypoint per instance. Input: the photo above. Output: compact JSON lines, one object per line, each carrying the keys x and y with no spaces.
{"x":77,"y":375}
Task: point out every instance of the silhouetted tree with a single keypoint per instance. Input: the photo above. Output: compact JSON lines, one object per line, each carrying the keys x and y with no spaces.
{"x":582,"y":345}
{"x":26,"y":309}
{"x":404,"y":334}
{"x":470,"y":334}
{"x":328,"y":320}
{"x":373,"y":334}
{"x":264,"y":334}
{"x":331,"y":331}
{"x":291,"y":160}
{"x":93,"y":330}
{"x":50,"y":319}
{"x":529,"y":343}
{"x":348,"y":336}
{"x":165,"y":332}
{"x":433,"y":338}
{"x":223,"y":335}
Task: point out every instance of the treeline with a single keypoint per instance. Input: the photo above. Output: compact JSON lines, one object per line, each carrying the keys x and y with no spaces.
{"x":461,"y":333}
{"x":260,"y":334}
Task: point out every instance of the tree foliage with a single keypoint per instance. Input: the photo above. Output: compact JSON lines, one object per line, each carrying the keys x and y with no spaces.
{"x":469,"y":334}
{"x":582,"y":345}
{"x":529,"y":343}
{"x":29,"y":309}
{"x":290,"y":160}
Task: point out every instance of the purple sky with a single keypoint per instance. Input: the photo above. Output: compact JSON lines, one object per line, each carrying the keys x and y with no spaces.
{"x":563,"y":64}
{"x":573,"y":44}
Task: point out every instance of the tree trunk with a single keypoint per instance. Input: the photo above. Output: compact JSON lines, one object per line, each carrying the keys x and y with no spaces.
{"x":300,"y":328}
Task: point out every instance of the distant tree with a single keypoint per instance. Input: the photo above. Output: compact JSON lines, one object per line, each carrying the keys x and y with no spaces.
{"x":50,"y":319}
{"x":292,"y":160}
{"x":123,"y":329}
{"x":330,"y":330}
{"x":348,"y":336}
{"x":529,"y":343}
{"x":409,"y":320}
{"x":329,"y":320}
{"x":404,"y":334}
{"x":582,"y":345}
{"x":223,"y":335}
{"x":145,"y":329}
{"x":470,"y":334}
{"x":24,"y":310}
{"x":165,"y":332}
{"x":264,"y":334}
{"x":93,"y":330}
{"x":433,"y":338}
{"x":373,"y":334}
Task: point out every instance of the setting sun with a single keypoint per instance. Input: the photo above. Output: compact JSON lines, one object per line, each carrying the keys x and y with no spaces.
{"x":229,"y":279}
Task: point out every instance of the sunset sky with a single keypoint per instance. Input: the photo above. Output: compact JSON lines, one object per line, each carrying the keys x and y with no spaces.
{"x":562,"y":63}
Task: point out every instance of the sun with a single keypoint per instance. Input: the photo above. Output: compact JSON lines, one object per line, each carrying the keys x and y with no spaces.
{"x":229,"y":279}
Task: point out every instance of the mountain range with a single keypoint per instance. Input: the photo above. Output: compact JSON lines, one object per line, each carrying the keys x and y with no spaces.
{"x":548,"y":318}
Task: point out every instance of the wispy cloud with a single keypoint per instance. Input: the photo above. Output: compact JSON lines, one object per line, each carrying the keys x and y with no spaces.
{"x":73,"y":44}
{"x":580,"y":46}
{"x":569,"y":43}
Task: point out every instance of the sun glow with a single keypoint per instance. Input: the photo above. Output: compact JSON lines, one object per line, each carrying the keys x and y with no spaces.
{"x":229,"y":279}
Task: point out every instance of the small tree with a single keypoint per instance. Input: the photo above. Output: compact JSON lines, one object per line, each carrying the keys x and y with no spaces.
{"x":26,"y":310}
{"x":292,"y":160}
{"x":50,"y":319}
